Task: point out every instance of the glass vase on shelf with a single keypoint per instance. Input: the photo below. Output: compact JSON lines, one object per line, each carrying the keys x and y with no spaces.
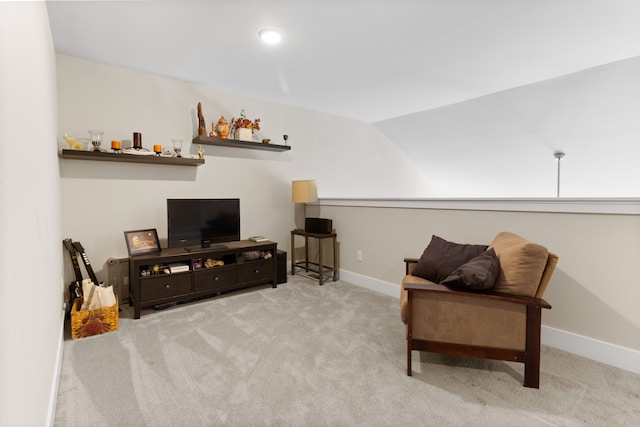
{"x":96,"y":139}
{"x":177,"y":147}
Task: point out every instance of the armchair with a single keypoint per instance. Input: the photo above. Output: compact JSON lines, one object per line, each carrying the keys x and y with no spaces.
{"x":502,"y":323}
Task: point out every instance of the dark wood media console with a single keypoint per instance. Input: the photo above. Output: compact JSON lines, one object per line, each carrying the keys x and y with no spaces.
{"x":150,"y":287}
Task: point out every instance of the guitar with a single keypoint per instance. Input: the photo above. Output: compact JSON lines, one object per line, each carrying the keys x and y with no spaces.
{"x":75,"y":287}
{"x":105,"y":296}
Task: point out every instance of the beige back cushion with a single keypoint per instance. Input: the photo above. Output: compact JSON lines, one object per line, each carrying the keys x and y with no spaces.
{"x":522,"y":264}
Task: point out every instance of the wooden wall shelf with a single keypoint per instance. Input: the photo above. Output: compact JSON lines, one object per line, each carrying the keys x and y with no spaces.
{"x":214,"y":140}
{"x":129,"y":158}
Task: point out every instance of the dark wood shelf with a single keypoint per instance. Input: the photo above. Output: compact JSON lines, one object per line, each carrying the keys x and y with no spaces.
{"x":129,"y":158}
{"x":214,"y":140}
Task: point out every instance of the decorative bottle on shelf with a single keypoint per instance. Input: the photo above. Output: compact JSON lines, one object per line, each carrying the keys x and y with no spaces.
{"x":223,"y":128}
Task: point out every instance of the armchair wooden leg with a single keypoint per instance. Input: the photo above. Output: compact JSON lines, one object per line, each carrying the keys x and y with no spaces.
{"x":409,"y":319}
{"x":532,"y":362}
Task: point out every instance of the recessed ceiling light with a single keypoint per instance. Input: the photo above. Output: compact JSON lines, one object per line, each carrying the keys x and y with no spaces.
{"x":270,"y":35}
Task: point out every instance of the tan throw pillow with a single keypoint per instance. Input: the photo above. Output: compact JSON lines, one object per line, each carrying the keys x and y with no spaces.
{"x":521,"y":268}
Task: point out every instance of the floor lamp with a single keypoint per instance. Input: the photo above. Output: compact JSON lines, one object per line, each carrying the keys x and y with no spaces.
{"x":303,"y":192}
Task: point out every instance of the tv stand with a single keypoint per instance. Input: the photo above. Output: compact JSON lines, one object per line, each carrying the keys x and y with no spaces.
{"x":211,"y":271}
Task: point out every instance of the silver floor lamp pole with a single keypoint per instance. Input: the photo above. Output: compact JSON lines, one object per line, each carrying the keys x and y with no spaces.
{"x":558,"y":155}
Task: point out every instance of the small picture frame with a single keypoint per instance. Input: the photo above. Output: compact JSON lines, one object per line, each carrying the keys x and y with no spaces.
{"x":140,"y":242}
{"x":196,"y":264}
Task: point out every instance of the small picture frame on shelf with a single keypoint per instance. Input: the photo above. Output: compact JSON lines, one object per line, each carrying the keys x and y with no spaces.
{"x":140,"y":242}
{"x":196,"y":264}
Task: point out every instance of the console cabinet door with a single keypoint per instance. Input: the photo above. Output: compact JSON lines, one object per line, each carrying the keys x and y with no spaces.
{"x":255,"y":271}
{"x":168,"y":285}
{"x":214,"y":279}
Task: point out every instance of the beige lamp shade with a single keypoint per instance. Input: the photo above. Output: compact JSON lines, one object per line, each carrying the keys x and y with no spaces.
{"x":304,"y":191}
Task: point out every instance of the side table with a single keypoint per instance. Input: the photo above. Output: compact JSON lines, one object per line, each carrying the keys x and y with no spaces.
{"x":318,"y":267}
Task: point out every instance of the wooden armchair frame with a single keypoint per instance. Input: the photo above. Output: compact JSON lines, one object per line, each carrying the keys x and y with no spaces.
{"x":530,"y":355}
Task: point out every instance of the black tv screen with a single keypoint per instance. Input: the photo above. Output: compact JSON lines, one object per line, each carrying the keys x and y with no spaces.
{"x":201,"y":222}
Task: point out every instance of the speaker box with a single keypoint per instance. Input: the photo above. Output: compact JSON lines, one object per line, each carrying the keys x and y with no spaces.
{"x":318,"y":225}
{"x":281,"y":266}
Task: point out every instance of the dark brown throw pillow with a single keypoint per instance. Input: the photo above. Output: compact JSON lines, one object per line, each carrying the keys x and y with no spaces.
{"x":441,"y":258}
{"x":480,"y":273}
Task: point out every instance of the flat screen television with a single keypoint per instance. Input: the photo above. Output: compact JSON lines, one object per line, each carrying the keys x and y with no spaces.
{"x":202,"y":222}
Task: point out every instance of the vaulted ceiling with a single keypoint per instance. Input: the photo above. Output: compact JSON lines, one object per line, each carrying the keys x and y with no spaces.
{"x":366,"y":59}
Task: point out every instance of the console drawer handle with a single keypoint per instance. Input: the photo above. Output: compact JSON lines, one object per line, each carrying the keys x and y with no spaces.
{"x":257,"y":270}
{"x":167,"y":286}
{"x":215,"y":279}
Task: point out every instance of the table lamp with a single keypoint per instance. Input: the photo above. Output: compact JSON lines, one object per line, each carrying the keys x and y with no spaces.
{"x":303,"y":192}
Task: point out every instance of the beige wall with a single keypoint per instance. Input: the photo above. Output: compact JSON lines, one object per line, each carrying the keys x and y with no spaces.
{"x":594,"y":291}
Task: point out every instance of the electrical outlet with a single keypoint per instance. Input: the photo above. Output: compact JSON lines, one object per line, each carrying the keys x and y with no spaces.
{"x":359,"y":256}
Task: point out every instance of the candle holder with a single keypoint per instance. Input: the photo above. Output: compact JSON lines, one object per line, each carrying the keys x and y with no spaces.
{"x":157,"y":149}
{"x":115,"y":146}
{"x":137,"y":140}
{"x":286,"y":137}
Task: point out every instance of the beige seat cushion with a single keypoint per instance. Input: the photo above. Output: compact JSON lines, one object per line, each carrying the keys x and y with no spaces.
{"x":521,"y":264}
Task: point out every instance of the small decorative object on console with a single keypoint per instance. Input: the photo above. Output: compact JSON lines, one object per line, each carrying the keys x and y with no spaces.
{"x":210,"y":263}
{"x":258,"y":239}
{"x":252,"y":255}
{"x":178,"y":267}
{"x":141,"y":242}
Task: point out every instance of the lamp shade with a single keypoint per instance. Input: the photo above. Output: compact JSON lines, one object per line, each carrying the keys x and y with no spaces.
{"x":304,"y":191}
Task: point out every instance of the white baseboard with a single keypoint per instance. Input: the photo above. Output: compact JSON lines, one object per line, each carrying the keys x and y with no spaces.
{"x":390,"y":289}
{"x":55,"y":381}
{"x":600,"y":351}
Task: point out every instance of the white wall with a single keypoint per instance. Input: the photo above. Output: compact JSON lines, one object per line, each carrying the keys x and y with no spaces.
{"x":31,"y":296}
{"x":502,"y":145}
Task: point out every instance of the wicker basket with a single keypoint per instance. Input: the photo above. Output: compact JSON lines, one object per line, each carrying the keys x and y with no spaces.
{"x":86,"y":323}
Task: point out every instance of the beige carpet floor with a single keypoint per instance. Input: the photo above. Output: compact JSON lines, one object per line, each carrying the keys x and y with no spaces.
{"x":309,"y":355}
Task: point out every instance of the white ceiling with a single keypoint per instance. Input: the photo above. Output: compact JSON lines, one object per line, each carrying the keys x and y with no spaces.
{"x":365,"y":59}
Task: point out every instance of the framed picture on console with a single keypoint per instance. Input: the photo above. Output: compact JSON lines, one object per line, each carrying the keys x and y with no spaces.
{"x":140,"y":242}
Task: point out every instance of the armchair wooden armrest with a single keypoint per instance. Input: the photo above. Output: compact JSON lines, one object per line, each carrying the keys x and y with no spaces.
{"x":487,"y":295}
{"x":409,"y":264}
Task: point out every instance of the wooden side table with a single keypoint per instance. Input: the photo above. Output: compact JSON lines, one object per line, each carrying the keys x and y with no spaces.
{"x":318,"y":267}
